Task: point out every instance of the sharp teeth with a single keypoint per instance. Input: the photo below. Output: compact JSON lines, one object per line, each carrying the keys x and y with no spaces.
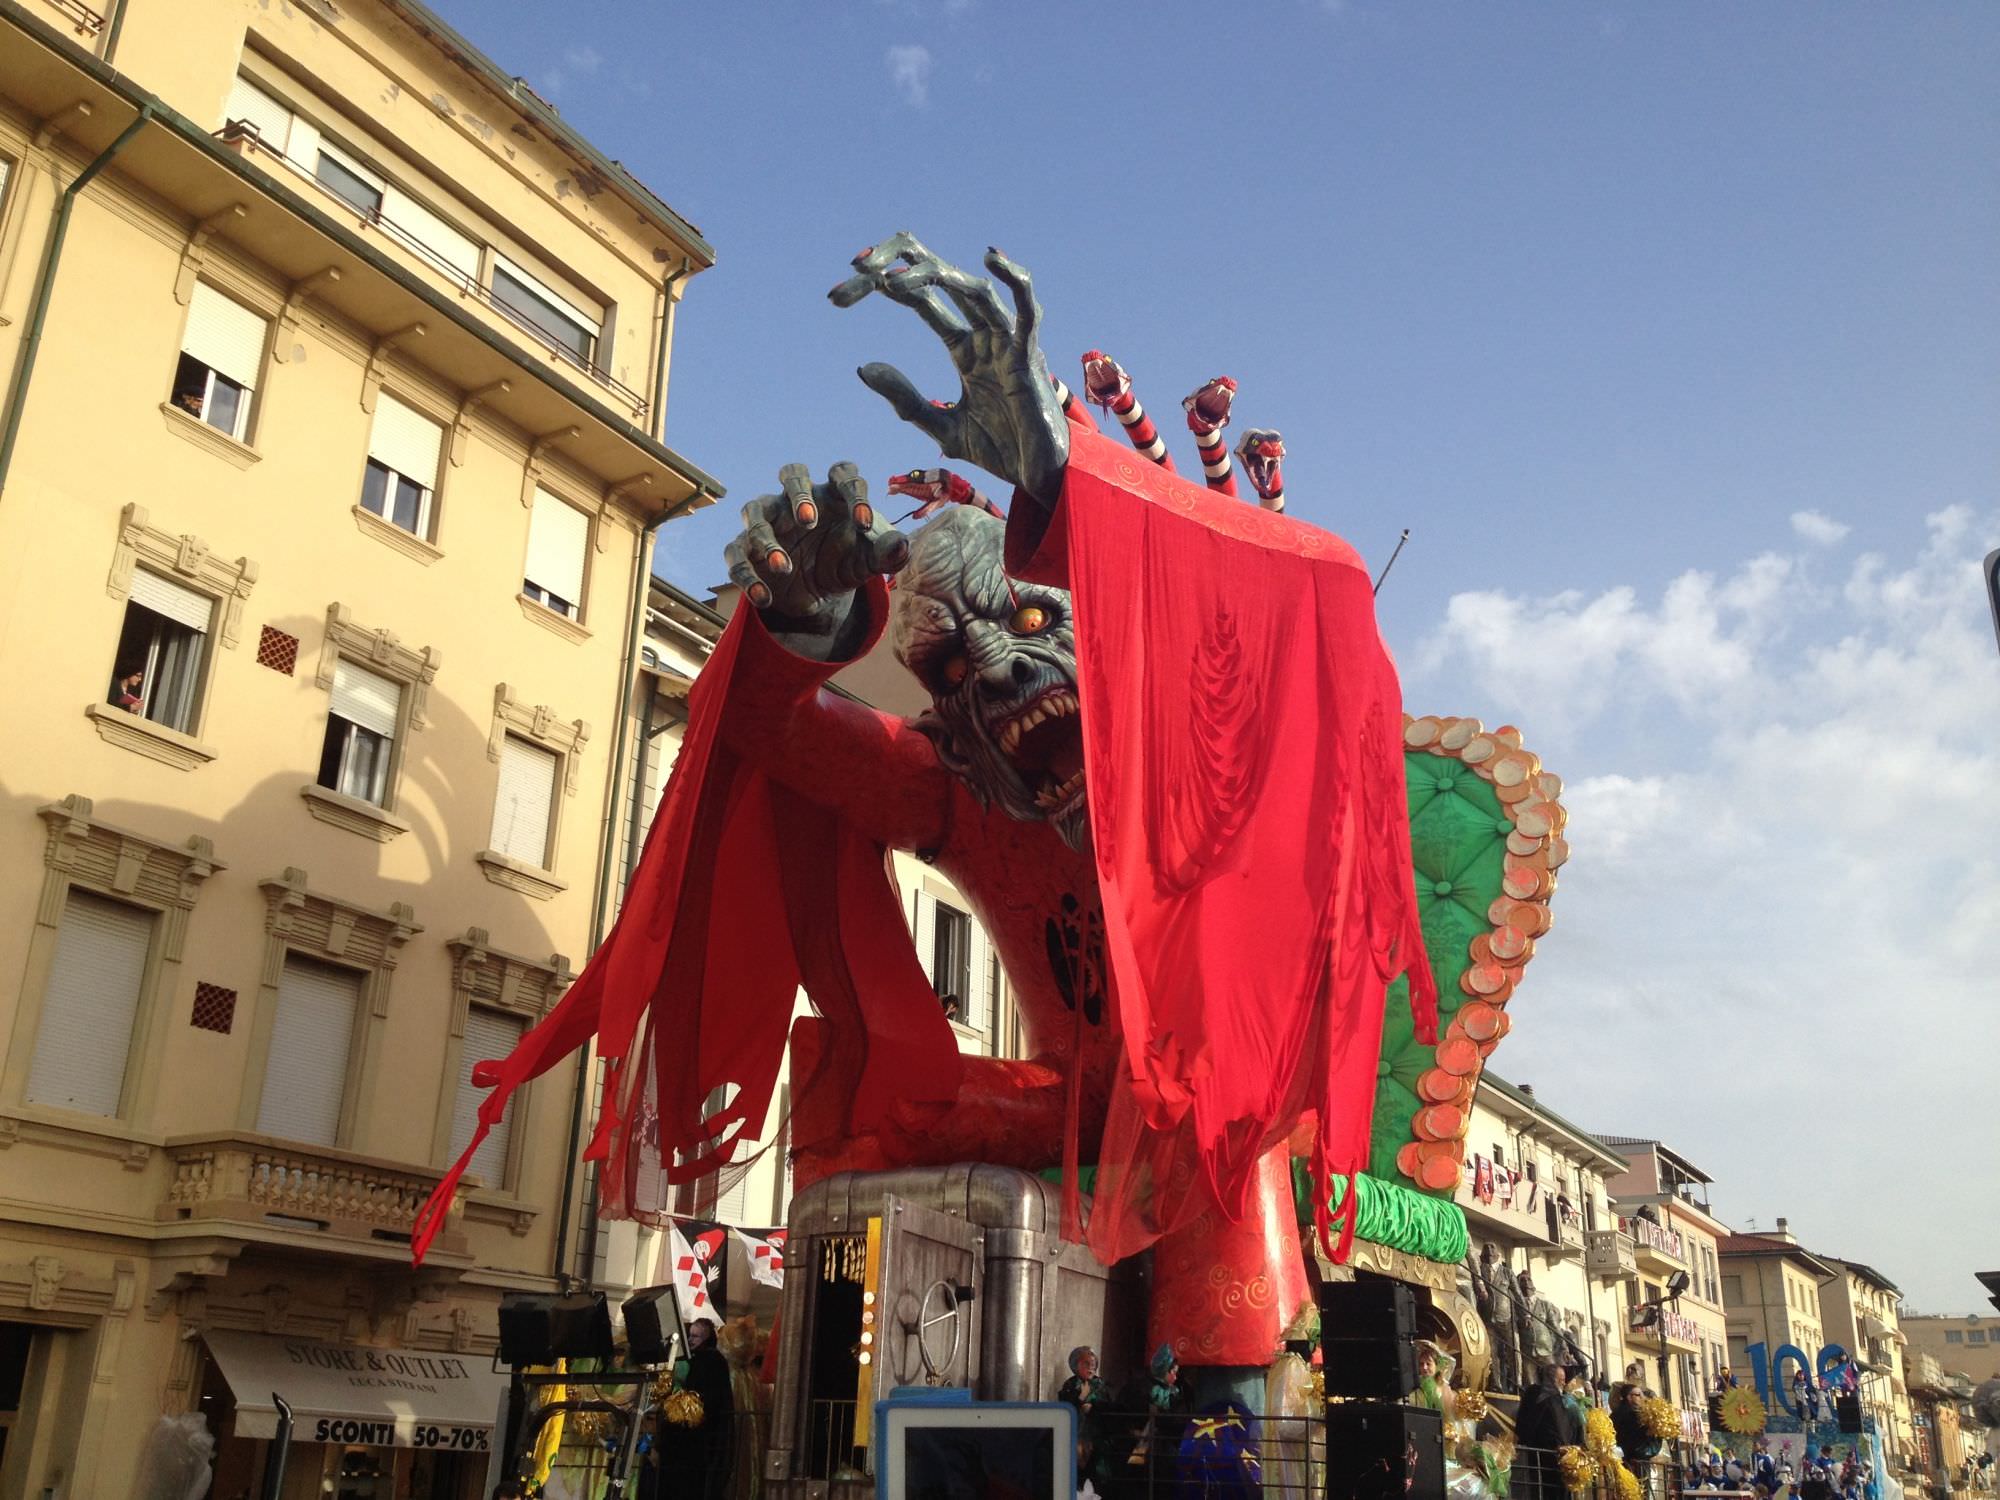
{"x":1010,"y":736}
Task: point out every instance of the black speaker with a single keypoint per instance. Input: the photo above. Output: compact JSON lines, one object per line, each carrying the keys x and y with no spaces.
{"x":1371,"y":1370}
{"x":1366,"y":1310}
{"x":1848,"y":1409}
{"x":536,"y":1329}
{"x":1383,"y":1452}
{"x":647,"y":1341}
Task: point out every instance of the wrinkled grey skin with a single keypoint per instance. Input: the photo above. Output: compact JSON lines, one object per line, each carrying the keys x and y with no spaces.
{"x":804,"y":553}
{"x":952,"y":600}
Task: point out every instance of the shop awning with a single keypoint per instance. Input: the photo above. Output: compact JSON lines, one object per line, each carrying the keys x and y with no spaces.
{"x":355,"y":1394}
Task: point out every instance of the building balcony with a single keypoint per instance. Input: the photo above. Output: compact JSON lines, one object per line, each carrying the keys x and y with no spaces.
{"x":1565,"y":1232}
{"x":275,"y":1191}
{"x":1507,"y":1219}
{"x":1610,"y":1253}
{"x":1657,"y":1247}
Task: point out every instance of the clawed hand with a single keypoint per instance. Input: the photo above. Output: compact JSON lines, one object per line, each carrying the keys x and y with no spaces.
{"x":1008,"y":418}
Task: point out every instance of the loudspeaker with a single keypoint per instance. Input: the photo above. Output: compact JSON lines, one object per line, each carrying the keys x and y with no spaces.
{"x":536,"y":1329}
{"x":1372,"y":1370}
{"x":647,"y":1342}
{"x":1382,"y":1452}
{"x":1366,"y":1310}
{"x":1848,"y":1409}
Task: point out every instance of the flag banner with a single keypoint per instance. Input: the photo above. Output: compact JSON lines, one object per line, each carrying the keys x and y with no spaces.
{"x":765,"y":1250}
{"x":698,"y":1264}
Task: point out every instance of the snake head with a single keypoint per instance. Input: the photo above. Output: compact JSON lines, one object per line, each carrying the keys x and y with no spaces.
{"x":1208,"y":408}
{"x":1104,"y":379}
{"x":1261,"y":453}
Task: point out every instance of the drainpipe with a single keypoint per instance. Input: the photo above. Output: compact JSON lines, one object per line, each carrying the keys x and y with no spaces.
{"x":658,"y":410}
{"x":45,"y":283}
{"x":117,"y":24}
{"x":600,"y":906}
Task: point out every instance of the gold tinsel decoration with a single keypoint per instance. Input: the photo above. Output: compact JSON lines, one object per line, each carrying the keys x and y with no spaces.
{"x":1599,"y":1436}
{"x":1625,"y":1482}
{"x":1471,"y":1405}
{"x":588,"y":1426}
{"x":1318,"y":1383}
{"x":844,"y":1258}
{"x":663,"y":1386}
{"x":1742,"y":1411}
{"x":684,"y":1409}
{"x":1578,"y":1469}
{"x":1659,"y":1418}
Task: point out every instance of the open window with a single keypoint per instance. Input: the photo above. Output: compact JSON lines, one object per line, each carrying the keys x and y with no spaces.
{"x":162,"y":652}
{"x":222,"y":352}
{"x":558,"y":547}
{"x":404,"y":449}
{"x":362,"y":724}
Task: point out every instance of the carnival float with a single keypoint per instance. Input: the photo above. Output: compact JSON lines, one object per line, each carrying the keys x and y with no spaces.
{"x":1265,"y":928}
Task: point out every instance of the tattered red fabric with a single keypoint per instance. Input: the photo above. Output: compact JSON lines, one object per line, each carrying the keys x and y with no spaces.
{"x":1243,"y":750}
{"x":745,"y":890}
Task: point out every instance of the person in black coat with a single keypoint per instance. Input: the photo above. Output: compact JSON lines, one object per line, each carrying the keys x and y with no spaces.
{"x":694,"y":1462}
{"x":1544,"y":1426}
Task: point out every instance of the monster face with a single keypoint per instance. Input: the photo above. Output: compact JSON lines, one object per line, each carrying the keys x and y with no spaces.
{"x":999,"y":659}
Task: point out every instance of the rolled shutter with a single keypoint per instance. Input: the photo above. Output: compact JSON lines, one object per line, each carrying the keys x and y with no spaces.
{"x":181,"y":605}
{"x":981,"y":1002}
{"x":431,"y":234}
{"x":305,"y":1073}
{"x":225,"y":335}
{"x":252,"y":105}
{"x":591,"y":322}
{"x":522,"y":806}
{"x":406,"y":440}
{"x":925,"y":932}
{"x":489,"y":1036}
{"x":361,"y":697}
{"x":558,"y":534}
{"x":84,"y":1039}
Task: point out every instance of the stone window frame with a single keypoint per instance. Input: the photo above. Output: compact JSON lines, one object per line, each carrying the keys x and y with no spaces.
{"x":414,"y":669}
{"x":422,"y":549}
{"x":509,"y":984}
{"x":538,"y":725}
{"x":539,"y":473}
{"x":311,"y":924}
{"x":184,"y":559}
{"x":136,"y":869}
{"x":200,"y":264}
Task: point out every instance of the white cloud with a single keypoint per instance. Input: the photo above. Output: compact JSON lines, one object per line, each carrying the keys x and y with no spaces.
{"x":1815,"y":526}
{"x":575,"y":63}
{"x":1774,"y":939}
{"x":910,"y":73}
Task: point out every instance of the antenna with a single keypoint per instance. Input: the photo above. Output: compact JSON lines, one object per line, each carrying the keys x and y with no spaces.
{"x":1392,"y":558}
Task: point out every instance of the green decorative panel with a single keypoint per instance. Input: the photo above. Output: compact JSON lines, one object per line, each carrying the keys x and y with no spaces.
{"x":1392,"y":1213}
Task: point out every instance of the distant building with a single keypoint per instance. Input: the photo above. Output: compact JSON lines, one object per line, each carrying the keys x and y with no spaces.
{"x":1969,"y":1345}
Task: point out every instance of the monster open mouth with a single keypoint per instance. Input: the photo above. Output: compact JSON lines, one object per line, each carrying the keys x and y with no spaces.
{"x":1045,"y":743}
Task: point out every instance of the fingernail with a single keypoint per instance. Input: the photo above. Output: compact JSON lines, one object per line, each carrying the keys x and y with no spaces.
{"x":777,"y":562}
{"x":807,"y":512}
{"x":864,"y":514}
{"x":759,"y":595}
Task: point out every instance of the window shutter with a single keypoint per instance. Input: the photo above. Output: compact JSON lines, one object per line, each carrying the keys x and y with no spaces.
{"x":361,"y":697}
{"x":225,"y":335}
{"x":403,"y":213}
{"x":558,"y":534}
{"x":366,"y":173}
{"x":85,"y":1037}
{"x":489,"y":1036}
{"x":252,"y":105}
{"x":925,"y":933}
{"x":979,"y":1004}
{"x":305,"y":1074}
{"x":406,"y":440}
{"x":526,"y":797}
{"x":593,"y":323}
{"x":181,"y":605}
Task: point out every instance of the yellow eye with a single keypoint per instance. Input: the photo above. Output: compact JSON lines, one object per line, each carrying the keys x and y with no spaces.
{"x":1029,"y":619}
{"x":954,"y":670}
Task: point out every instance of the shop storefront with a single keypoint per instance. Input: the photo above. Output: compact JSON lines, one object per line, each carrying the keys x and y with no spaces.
{"x":367,"y":1423}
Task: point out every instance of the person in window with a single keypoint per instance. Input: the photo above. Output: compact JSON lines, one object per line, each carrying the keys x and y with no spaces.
{"x":128,"y":689}
{"x":953,"y":1009}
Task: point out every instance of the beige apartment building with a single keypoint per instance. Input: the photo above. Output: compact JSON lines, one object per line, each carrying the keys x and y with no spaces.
{"x":1861,"y":1310}
{"x":1535,"y":1190}
{"x":1968,"y":1345}
{"x":330,"y":455}
{"x":1682,"y":1339}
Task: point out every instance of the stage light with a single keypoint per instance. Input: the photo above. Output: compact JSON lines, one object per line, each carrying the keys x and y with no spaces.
{"x":1677,"y":1283}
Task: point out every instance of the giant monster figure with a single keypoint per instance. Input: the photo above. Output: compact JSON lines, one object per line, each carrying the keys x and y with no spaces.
{"x":1162,"y":762}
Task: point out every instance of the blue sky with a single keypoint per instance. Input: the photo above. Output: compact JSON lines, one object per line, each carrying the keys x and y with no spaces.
{"x":1672,"y":332}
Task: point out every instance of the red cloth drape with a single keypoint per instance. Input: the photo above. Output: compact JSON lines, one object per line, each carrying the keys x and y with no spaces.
{"x":745,"y":890}
{"x":1242,"y":747}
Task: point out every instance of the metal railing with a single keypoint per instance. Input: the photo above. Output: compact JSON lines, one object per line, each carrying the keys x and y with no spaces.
{"x":234,"y":131}
{"x":84,"y":20}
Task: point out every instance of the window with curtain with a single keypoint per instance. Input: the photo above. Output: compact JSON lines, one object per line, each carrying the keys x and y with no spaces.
{"x":404,"y":451}
{"x":162,"y":649}
{"x":312,"y":1036}
{"x":558,"y":543}
{"x":83,"y":1044}
{"x":524,"y":806}
{"x":222,"y":352}
{"x":361,"y":726}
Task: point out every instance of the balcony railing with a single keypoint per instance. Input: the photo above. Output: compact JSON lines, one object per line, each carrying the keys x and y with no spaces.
{"x":82,"y":19}
{"x":1652,"y":1239}
{"x":241,"y":133}
{"x":282,"y":1187}
{"x":1565,"y":1229}
{"x":1610,"y":1253}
